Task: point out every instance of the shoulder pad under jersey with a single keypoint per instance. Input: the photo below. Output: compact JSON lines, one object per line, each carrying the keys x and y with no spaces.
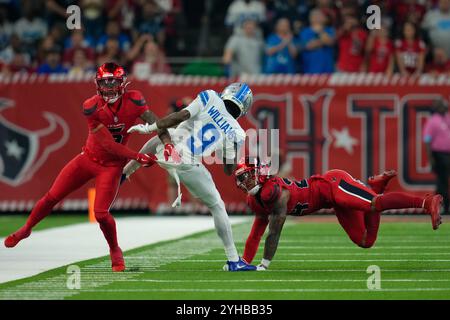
{"x":136,"y":98}
{"x":270,"y":191}
{"x":91,"y":105}
{"x":206,"y":95}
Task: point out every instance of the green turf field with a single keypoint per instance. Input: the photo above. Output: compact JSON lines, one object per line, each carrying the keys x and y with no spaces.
{"x":314,"y":261}
{"x":11,"y":223}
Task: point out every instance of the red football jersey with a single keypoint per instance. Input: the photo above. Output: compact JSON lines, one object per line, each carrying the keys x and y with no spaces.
{"x":439,"y":68}
{"x":410,"y":53}
{"x":307,"y":195}
{"x":407,"y":11}
{"x":117,"y":118}
{"x":351,"y":50}
{"x":380,"y":55}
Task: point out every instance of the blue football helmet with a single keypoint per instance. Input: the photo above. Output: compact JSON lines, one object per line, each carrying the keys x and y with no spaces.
{"x":240,"y":94}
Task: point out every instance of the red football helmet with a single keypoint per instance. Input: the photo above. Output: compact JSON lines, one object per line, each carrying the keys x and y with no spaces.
{"x":111,"y":81}
{"x":248,"y":175}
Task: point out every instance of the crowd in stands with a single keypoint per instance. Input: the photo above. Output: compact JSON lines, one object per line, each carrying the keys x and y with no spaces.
{"x":325,"y":36}
{"x":34,"y":36}
{"x":257,"y":36}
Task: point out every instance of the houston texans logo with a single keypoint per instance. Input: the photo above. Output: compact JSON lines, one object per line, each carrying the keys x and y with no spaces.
{"x":22,"y":151}
{"x":304,"y":128}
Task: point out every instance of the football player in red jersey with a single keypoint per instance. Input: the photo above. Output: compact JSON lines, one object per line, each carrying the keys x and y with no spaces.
{"x":109,"y":113}
{"x":357,"y":206}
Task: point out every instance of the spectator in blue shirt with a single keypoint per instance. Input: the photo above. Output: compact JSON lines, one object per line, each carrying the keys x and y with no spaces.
{"x":52,"y":63}
{"x":280,"y":49}
{"x":317,"y":43}
{"x":113,"y":31}
{"x":150,"y":21}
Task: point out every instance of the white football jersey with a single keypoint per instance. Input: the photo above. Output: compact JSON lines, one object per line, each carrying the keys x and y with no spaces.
{"x":210,"y":128}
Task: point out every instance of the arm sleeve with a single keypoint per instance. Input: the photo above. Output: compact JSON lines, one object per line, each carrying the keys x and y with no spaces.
{"x":305,"y":37}
{"x":194,"y":107}
{"x":90,"y":112}
{"x":104,"y":139}
{"x":138,"y":101}
{"x":271,"y":42}
{"x":270,"y":193}
{"x":231,"y":44}
{"x":331,"y":32}
{"x":254,"y":238}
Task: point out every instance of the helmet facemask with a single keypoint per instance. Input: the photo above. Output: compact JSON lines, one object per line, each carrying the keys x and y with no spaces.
{"x":111,"y":88}
{"x":248,"y":180}
{"x":111,"y":81}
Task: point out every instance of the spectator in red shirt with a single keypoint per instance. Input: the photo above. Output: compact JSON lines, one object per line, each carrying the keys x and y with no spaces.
{"x":19,"y":64}
{"x":147,"y":58}
{"x":440,"y":63}
{"x":410,"y":51}
{"x":78,"y":43}
{"x":380,"y":51}
{"x":111,"y":53}
{"x":328,"y":9}
{"x":351,"y":41}
{"x":409,"y":10}
{"x":122,"y":11}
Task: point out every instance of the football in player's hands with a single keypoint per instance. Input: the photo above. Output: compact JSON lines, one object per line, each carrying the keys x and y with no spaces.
{"x":146,"y":160}
{"x":170,"y":151}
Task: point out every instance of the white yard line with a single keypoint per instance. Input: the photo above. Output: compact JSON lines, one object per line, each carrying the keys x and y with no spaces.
{"x":56,"y":247}
{"x":261,"y":290}
{"x":344,"y":240}
{"x":332,"y":260}
{"x":313,"y":270}
{"x":278,"y":280}
{"x":353,"y":254}
{"x":351,"y":245}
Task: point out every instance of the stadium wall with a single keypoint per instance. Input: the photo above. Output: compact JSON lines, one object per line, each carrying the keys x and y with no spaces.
{"x":362,"y":123}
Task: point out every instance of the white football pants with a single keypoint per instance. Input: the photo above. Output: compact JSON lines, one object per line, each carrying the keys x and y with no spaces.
{"x":198,"y":180}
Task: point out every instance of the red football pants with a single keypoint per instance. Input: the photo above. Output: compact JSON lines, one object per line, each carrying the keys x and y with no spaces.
{"x":74,"y":175}
{"x":352,"y":202}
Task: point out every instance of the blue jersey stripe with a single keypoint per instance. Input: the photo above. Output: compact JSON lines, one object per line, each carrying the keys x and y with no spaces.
{"x":204,"y":97}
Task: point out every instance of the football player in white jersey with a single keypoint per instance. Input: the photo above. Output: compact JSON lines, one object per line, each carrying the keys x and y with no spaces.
{"x":207,"y":125}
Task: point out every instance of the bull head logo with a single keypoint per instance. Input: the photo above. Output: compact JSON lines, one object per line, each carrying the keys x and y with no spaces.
{"x":23,"y":152}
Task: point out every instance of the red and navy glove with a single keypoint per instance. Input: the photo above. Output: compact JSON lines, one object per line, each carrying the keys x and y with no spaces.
{"x":146,"y":160}
{"x":169,"y":151}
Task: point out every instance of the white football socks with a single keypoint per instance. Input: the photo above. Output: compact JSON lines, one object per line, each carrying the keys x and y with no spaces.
{"x":223,"y":228}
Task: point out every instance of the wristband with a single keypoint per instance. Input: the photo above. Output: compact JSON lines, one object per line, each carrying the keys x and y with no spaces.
{"x":265,"y":263}
{"x":152,"y":127}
